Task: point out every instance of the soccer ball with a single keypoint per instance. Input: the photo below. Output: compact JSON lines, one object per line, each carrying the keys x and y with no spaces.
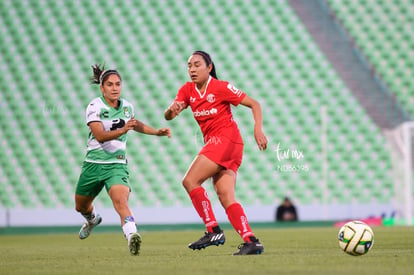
{"x":356,"y":238}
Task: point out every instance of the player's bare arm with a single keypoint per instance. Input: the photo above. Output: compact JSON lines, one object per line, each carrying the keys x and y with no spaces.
{"x":101,"y":135}
{"x":174,"y":110}
{"x":260,"y":137}
{"x":148,"y":130}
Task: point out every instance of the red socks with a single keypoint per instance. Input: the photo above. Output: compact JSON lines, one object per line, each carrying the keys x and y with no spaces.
{"x":238,"y":219}
{"x":234,"y":212}
{"x":202,"y":205}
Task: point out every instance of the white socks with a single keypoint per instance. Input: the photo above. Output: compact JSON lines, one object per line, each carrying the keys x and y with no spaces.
{"x":91,"y":217}
{"x":129,"y":228}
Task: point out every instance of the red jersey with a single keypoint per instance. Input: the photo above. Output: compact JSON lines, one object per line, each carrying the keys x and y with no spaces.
{"x":212,"y":108}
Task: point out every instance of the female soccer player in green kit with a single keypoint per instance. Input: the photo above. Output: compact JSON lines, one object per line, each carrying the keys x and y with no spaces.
{"x":109,"y":118}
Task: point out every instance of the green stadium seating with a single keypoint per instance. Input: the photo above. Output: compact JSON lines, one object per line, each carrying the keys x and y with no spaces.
{"x":383,"y":31}
{"x":267,"y":52}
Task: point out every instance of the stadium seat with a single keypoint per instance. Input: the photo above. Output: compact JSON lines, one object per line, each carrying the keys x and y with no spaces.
{"x":47,"y":67}
{"x":364,"y":21}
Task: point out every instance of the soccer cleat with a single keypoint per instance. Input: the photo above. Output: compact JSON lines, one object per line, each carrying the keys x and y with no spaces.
{"x":87,"y":227}
{"x":134,"y":243}
{"x":209,"y":238}
{"x":251,"y":248}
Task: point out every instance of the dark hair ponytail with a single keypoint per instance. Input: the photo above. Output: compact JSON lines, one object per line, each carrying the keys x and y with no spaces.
{"x":97,"y":71}
{"x":208,"y":61}
{"x":100,"y":74}
{"x":213,"y":71}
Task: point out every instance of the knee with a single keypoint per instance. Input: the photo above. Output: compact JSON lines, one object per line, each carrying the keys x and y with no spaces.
{"x":81,"y":208}
{"x":226,"y":198}
{"x":222,"y":196}
{"x":186,"y":183}
{"x":190,"y":184}
{"x":78,"y":208}
{"x":119,"y":195}
{"x":120,"y":201}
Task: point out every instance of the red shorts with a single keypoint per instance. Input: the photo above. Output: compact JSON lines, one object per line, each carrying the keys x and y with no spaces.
{"x":224,"y":152}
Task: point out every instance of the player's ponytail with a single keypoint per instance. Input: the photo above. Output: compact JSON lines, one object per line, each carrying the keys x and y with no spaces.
{"x":213,"y":71}
{"x":100,"y":74}
{"x":97,"y":71}
{"x":208,"y":61}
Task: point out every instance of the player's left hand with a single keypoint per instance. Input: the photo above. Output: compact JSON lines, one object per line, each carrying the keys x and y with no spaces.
{"x":260,"y":137}
{"x":164,"y":132}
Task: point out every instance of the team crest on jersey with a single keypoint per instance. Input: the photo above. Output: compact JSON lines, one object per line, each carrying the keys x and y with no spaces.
{"x":234,"y":90}
{"x":192,"y":99}
{"x":126,"y":112}
{"x":211,"y":98}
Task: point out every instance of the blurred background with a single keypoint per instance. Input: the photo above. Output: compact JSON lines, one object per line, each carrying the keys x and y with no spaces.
{"x":335,"y":80}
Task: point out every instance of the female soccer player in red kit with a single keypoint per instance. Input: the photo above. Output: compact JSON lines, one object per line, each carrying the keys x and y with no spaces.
{"x":221,"y":156}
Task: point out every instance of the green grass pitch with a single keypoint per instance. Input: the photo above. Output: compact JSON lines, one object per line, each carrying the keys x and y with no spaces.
{"x":292,"y":250}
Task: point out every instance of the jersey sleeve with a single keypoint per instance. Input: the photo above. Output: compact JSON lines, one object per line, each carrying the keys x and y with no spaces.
{"x":232,"y":94}
{"x":182,"y":94}
{"x":92,"y":113}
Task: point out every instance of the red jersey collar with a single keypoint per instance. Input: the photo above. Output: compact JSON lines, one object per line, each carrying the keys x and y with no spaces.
{"x":205,"y":90}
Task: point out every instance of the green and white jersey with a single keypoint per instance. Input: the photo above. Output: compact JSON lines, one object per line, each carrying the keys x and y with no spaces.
{"x":112,"y":151}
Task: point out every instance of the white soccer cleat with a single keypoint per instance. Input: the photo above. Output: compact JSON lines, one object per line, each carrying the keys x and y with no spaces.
{"x":87,"y":227}
{"x":134,"y":243}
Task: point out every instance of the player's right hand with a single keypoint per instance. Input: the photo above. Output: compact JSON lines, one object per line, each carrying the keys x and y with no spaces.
{"x":176,"y":107}
{"x":130,"y":125}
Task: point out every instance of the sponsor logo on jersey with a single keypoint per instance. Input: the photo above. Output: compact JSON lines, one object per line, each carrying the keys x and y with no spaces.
{"x":117,"y":124}
{"x":205,"y":112}
{"x":211,"y":98}
{"x":234,"y":90}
